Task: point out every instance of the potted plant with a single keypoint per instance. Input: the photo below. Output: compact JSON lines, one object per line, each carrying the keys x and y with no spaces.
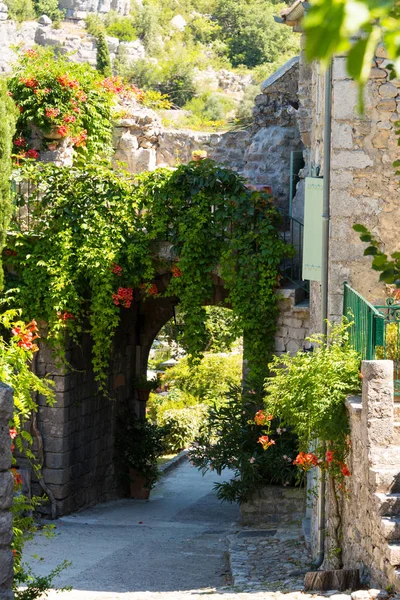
{"x":144,"y":386}
{"x":139,"y":445}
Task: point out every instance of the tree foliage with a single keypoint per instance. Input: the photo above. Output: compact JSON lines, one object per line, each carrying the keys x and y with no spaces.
{"x":251,"y":34}
{"x":103,"y":62}
{"x":354,"y":27}
{"x":7,"y":128}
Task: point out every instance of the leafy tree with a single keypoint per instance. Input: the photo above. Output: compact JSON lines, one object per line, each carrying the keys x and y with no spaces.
{"x":251,"y":33}
{"x":354,"y":27}
{"x":148,"y":26}
{"x":7,"y":128}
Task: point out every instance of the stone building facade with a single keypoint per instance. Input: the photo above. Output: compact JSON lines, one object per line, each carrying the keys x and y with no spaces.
{"x":371,"y":534}
{"x":6,"y":493}
{"x":364,"y":188}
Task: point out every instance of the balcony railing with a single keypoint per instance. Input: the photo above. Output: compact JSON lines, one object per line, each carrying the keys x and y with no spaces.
{"x":374,"y":330}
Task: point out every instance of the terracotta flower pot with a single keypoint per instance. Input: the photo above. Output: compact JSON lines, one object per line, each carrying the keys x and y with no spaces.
{"x":138,"y":487}
{"x":52,"y":135}
{"x":143,"y":395}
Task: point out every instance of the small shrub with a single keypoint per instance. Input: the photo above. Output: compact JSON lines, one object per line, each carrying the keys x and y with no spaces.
{"x":20,"y":10}
{"x":122,"y":28}
{"x":182,"y":426}
{"x":49,"y":8}
{"x":231,"y":439}
{"x":210,"y":380}
{"x":103,"y":62}
{"x":210,"y":106}
{"x":156,"y":100}
{"x":94,"y":24}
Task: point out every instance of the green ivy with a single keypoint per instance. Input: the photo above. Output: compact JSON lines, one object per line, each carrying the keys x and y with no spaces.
{"x":91,"y":218}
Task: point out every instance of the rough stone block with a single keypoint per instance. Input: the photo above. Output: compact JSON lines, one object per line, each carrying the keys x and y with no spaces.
{"x":354,"y":159}
{"x":6,"y":490}
{"x":5,"y":528}
{"x":387,"y":90}
{"x":6,"y":569}
{"x":57,"y":460}
{"x":6,"y":402}
{"x":56,"y":476}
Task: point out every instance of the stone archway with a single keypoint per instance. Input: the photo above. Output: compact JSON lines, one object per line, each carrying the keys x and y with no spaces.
{"x":78,"y":432}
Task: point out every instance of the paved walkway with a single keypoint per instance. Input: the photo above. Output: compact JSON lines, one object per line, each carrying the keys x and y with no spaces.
{"x":133,"y":549}
{"x":174,"y":547}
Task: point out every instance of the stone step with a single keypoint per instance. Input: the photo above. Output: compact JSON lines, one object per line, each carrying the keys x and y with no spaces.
{"x":385,"y":480}
{"x":391,"y":528}
{"x":388,"y":504}
{"x":396,"y":432}
{"x":388,"y":457}
{"x":397,"y":407}
{"x":394,"y":554}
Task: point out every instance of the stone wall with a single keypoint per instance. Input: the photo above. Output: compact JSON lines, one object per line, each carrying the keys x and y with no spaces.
{"x":293,"y":321}
{"x":6,"y":493}
{"x":274,"y":504}
{"x":71,"y":39}
{"x":78,"y":9}
{"x":260,"y":153}
{"x":371,"y":535}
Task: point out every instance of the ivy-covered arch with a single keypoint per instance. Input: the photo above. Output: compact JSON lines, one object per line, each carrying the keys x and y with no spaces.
{"x":93,"y":251}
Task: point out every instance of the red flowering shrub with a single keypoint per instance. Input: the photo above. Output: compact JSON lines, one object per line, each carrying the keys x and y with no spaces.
{"x":306,"y":460}
{"x":32,"y":154}
{"x":116,"y":269}
{"x":176,"y":272}
{"x":26,"y":334}
{"x":123,"y":297}
{"x":68,"y":98}
{"x":261,"y":418}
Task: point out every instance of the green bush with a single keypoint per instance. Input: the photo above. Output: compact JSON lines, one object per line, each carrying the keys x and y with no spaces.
{"x":49,"y":8}
{"x":210,"y":106}
{"x":210,"y":380}
{"x":182,"y":426}
{"x":176,"y":399}
{"x":122,"y":28}
{"x":94,"y":24}
{"x":308,"y":391}
{"x":231,"y":440}
{"x":20,"y":10}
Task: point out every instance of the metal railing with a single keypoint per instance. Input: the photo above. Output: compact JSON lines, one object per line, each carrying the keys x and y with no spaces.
{"x":292,"y":233}
{"x":374,"y":330}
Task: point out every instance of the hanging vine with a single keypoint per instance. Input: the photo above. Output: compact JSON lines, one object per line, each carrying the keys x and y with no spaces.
{"x":89,"y":254}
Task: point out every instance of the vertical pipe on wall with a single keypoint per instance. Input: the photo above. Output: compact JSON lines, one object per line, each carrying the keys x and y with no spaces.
{"x":325,"y":284}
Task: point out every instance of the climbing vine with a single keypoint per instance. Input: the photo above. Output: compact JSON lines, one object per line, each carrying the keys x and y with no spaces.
{"x":91,"y":251}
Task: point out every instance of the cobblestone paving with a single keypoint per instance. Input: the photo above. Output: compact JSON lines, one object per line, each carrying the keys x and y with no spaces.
{"x":272,"y":560}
